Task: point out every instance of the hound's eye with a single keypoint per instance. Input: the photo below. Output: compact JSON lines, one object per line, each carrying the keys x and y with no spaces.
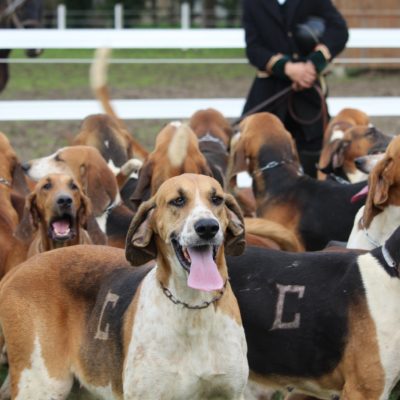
{"x":73,"y":186}
{"x":217,"y":200}
{"x":47,"y":186}
{"x":178,"y":202}
{"x":58,"y":158}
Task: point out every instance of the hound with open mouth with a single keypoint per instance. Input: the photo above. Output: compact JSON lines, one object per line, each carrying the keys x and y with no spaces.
{"x":57,"y":214}
{"x":169,"y":332}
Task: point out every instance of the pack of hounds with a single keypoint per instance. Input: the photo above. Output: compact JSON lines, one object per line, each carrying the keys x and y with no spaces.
{"x":164,"y":275}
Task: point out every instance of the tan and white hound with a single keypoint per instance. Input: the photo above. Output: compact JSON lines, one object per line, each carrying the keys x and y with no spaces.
{"x":173,"y":331}
{"x":56,"y":215}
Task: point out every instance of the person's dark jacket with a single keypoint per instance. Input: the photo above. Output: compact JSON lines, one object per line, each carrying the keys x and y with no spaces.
{"x":270,"y":31}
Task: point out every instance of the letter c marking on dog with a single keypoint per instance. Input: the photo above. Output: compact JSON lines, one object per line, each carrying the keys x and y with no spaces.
{"x":103,"y":334}
{"x":283,"y":289}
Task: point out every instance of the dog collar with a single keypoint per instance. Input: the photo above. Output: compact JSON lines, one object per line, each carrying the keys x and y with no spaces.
{"x":368,"y":236}
{"x":388,"y":258}
{"x":5,"y":182}
{"x":339,"y":179}
{"x":274,"y":164}
{"x":210,"y":138}
{"x":205,"y":304}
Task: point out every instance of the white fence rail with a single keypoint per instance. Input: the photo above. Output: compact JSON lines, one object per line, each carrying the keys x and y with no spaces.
{"x":166,"y":38}
{"x":64,"y":110}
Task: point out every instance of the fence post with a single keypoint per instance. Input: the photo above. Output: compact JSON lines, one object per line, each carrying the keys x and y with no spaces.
{"x":185,"y":15}
{"x":118,"y":16}
{"x":61,"y":16}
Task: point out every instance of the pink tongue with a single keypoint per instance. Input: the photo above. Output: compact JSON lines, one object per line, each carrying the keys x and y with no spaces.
{"x":360,"y":195}
{"x":61,"y":227}
{"x":204,"y":274}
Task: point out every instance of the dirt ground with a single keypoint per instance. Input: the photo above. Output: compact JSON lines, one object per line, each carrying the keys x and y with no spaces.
{"x":34,"y":139}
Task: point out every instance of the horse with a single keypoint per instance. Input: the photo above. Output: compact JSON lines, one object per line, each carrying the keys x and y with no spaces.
{"x":19,"y":14}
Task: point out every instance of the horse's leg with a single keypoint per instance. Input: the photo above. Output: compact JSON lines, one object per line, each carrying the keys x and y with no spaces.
{"x":3,"y":69}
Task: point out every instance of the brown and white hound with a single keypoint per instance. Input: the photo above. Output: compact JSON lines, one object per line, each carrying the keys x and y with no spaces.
{"x":380,"y":216}
{"x":338,"y":158}
{"x":88,"y":167}
{"x":315,"y":211}
{"x":176,"y":152}
{"x":172,"y":331}
{"x":12,"y":251}
{"x":348,"y":135}
{"x":57,"y":214}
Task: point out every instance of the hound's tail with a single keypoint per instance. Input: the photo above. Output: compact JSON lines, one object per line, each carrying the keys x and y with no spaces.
{"x":98,"y":83}
{"x":178,"y":147}
{"x":286,"y":239}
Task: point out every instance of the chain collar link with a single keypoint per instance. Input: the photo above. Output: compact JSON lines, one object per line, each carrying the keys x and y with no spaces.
{"x":205,"y":304}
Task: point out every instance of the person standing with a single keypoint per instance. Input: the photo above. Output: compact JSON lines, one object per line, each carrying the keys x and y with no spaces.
{"x":275,"y":47}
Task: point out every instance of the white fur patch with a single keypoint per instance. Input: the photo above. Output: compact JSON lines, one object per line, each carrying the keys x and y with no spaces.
{"x":176,"y":124}
{"x":192,"y":354}
{"x":177,"y":149}
{"x":115,"y":170}
{"x":244,"y":180}
{"x":337,"y":134}
{"x":357,"y":176}
{"x":383,"y":297}
{"x":35,"y":383}
{"x":47,"y":165}
{"x":381,"y":227}
{"x":188,"y":236}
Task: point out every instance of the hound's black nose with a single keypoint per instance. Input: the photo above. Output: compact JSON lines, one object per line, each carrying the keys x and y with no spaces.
{"x":359,"y":162}
{"x":206,"y":228}
{"x":26,"y":166}
{"x":64,"y":201}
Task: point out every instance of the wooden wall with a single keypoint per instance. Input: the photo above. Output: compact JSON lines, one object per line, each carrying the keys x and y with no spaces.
{"x":371,"y":14}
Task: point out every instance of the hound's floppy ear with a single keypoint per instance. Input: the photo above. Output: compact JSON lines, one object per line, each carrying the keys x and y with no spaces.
{"x":239,"y":163}
{"x":234,"y":237}
{"x":380,"y":180}
{"x":88,"y":221}
{"x":18,"y":180}
{"x":332,"y":156}
{"x":140,"y":244}
{"x":30,"y":220}
{"x":143,"y":186}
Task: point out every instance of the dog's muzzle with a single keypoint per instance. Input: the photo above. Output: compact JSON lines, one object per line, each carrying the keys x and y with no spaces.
{"x":198,"y":258}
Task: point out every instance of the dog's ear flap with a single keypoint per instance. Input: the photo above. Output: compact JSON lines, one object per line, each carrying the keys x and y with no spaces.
{"x":143,"y":187}
{"x":88,"y":221}
{"x":30,"y":220}
{"x":18,"y":180}
{"x":235,"y":242}
{"x":239,"y":163}
{"x":332,"y":156}
{"x":380,"y":180}
{"x":140,"y":243}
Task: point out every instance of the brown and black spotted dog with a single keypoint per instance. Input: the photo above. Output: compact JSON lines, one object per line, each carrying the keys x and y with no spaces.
{"x":56,"y":215}
{"x":315,"y":211}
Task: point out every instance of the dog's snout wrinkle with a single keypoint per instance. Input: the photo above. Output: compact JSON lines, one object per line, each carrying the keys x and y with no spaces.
{"x":206,"y":228}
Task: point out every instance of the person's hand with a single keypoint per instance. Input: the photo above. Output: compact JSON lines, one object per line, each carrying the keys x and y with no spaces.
{"x":302,"y":74}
